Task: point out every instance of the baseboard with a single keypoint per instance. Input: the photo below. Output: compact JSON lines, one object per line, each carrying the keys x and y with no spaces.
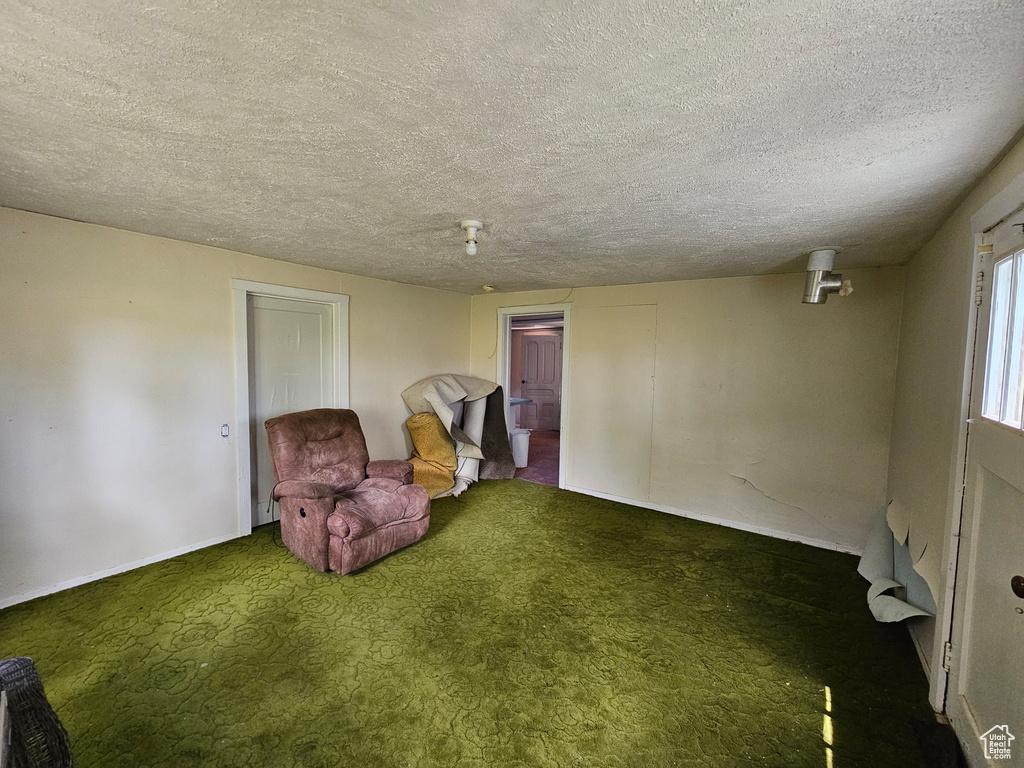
{"x":922,"y":654}
{"x":6,"y":602}
{"x":786,"y":535}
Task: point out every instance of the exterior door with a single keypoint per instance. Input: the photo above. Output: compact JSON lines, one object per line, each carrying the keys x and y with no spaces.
{"x":541,"y":381}
{"x":986,"y":695}
{"x":292,"y":368}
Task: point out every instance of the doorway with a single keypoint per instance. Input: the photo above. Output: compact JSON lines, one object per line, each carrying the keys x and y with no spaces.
{"x":533,"y":371}
{"x":292,"y":348}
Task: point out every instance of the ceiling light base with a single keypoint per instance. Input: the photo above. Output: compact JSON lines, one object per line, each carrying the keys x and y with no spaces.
{"x":472,"y":226}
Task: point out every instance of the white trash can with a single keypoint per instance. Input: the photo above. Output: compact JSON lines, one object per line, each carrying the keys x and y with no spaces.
{"x":520,"y":447}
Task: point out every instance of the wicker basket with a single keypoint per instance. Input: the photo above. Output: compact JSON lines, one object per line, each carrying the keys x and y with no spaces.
{"x":38,"y":740}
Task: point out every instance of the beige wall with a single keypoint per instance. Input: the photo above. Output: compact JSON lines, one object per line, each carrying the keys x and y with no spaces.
{"x":117,"y":371}
{"x":729,"y":399}
{"x":928,"y":416}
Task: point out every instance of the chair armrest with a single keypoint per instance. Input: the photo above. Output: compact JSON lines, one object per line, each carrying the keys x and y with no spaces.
{"x":367,"y":508}
{"x":393,"y":468}
{"x":303,"y":490}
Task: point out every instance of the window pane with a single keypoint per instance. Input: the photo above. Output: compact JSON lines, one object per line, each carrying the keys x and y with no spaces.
{"x":1014,"y":389}
{"x":998,"y":327}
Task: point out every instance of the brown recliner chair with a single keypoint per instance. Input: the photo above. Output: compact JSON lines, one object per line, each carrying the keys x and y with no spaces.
{"x":339,"y":510}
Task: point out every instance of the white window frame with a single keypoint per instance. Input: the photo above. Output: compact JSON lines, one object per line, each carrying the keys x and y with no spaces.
{"x":996,"y":405}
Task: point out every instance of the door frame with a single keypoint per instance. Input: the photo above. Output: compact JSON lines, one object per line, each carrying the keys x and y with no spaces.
{"x":505,"y":315}
{"x":242,"y":290}
{"x":990,"y":215}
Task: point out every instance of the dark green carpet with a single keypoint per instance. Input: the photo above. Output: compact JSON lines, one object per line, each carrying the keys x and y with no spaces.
{"x":531,"y":627}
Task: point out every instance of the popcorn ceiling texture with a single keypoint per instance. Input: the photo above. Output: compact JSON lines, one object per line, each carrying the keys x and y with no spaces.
{"x":600,"y":142}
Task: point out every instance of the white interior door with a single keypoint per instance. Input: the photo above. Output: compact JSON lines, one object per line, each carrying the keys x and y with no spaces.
{"x":986,"y":695}
{"x":541,"y":381}
{"x":291,"y":368}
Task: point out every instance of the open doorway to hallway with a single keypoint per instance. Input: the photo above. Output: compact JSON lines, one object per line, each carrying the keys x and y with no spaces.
{"x":535,"y":394}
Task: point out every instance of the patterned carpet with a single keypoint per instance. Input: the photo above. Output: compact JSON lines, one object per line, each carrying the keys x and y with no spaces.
{"x":531,"y":627}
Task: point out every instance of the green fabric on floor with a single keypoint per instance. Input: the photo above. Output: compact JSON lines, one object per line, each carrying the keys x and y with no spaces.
{"x":530,"y":627}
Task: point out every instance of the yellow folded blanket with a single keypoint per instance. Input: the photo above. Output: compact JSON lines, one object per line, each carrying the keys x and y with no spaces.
{"x":433,"y":457}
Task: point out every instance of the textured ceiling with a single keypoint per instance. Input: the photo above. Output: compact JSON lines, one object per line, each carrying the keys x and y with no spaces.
{"x":600,"y":142}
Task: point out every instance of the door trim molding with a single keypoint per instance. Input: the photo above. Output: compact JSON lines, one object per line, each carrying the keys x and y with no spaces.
{"x":241,"y":290}
{"x":505,"y":315}
{"x":939,"y":684}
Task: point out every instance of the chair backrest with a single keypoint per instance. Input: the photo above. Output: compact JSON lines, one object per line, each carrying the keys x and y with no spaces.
{"x":324,"y":445}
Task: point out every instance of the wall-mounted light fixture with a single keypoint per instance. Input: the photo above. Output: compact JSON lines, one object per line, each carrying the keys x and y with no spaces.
{"x":820,"y":280}
{"x":471,"y":227}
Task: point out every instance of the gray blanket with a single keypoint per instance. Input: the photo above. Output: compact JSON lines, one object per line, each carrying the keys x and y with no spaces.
{"x":498,"y":463}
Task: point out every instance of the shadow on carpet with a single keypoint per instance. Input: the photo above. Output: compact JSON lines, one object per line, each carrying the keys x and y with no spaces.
{"x":530,"y":627}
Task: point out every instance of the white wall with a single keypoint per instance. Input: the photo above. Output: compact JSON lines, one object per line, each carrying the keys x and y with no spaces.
{"x":729,"y":399}
{"x":928,"y":416}
{"x":117,"y":371}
